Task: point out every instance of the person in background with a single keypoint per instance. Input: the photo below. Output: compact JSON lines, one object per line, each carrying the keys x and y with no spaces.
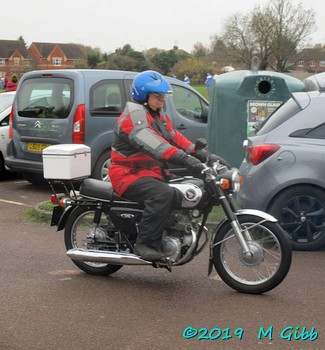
{"x":186,"y":79}
{"x":12,"y":84}
{"x":208,"y":82}
{"x":144,"y":141}
{"x":5,"y":82}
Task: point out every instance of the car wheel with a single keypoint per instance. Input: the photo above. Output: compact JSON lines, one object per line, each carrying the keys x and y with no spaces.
{"x":2,"y":163}
{"x":101,"y":167}
{"x":35,"y":179}
{"x":301,"y":213}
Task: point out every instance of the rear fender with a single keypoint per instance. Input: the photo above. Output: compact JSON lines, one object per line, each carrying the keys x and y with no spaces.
{"x":64,"y":218}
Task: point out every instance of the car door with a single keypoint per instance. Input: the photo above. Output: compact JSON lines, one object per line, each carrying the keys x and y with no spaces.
{"x":188,"y":112}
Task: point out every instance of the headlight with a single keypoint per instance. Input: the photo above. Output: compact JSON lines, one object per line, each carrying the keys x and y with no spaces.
{"x":231,"y":180}
{"x":236,"y":181}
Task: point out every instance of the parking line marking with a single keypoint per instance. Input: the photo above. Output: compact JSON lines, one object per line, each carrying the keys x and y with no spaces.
{"x":11,"y":202}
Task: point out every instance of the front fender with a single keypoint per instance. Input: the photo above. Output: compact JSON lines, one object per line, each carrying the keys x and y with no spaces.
{"x":256,"y":212}
{"x":241,"y":212}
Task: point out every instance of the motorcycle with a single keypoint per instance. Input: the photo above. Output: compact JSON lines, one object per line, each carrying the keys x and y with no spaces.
{"x":248,"y":248}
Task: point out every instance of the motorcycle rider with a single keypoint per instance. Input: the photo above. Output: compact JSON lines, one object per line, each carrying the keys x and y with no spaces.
{"x":144,"y":139}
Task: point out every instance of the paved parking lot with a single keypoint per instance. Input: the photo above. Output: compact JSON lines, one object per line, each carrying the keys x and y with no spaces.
{"x":47,"y":303}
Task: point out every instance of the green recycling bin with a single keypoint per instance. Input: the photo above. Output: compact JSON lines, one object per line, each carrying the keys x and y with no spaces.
{"x":238,"y":101}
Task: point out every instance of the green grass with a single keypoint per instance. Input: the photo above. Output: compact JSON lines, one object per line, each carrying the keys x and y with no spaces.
{"x":202,"y":90}
{"x":217,"y":214}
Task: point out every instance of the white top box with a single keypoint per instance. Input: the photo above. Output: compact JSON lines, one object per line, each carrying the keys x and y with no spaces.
{"x":66,"y":149}
{"x":66,"y":161}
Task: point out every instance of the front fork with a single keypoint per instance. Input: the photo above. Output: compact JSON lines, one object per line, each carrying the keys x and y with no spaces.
{"x":229,"y":207}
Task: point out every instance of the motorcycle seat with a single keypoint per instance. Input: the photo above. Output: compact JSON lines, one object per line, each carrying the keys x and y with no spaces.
{"x":93,"y":188}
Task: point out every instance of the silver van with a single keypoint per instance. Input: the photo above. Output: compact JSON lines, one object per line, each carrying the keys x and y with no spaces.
{"x":81,"y":106}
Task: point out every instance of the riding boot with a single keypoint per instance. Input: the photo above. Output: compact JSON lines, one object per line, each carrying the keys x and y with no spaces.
{"x":148,"y":252}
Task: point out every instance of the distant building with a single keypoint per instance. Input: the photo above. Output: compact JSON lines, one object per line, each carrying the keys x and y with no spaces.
{"x":14,"y":58}
{"x":311,"y":60}
{"x":57,"y":56}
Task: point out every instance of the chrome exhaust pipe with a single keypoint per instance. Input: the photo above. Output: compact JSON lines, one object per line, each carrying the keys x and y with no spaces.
{"x":99,"y":256}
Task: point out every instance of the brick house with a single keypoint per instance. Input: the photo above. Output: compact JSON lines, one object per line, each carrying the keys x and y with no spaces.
{"x":57,"y":56}
{"x":14,"y":58}
{"x":311,"y":60}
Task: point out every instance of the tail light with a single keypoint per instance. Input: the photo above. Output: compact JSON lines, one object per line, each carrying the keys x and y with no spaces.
{"x":78,"y":133}
{"x":257,"y":154}
{"x":11,"y":123}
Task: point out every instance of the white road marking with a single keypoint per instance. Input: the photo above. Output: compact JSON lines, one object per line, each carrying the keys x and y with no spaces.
{"x":12,"y":202}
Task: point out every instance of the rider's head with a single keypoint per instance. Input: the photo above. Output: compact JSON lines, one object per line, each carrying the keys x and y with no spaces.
{"x":149,"y":82}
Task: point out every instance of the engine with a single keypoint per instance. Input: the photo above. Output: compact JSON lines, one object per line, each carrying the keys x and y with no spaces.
{"x":177,"y":237}
{"x":192,"y":194}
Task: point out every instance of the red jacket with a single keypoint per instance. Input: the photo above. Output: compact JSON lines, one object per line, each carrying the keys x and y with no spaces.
{"x":141,"y":144}
{"x":10,"y":86}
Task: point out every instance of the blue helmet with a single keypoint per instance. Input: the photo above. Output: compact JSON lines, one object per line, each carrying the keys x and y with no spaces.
{"x":149,"y":82}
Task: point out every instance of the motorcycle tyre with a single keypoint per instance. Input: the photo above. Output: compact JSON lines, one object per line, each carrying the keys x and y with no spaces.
{"x":276,"y":279}
{"x":108,"y":269}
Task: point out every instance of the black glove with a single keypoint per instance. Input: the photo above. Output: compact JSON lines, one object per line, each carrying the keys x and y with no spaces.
{"x":183,"y":159}
{"x":202,"y":154}
{"x":193,"y":164}
{"x":213,"y":158}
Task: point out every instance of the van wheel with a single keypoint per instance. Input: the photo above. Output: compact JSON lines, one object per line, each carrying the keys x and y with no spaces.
{"x":101,"y":167}
{"x":301,"y":213}
{"x":35,"y":179}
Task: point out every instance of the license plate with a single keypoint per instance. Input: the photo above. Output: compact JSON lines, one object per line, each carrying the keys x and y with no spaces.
{"x":37,"y":147}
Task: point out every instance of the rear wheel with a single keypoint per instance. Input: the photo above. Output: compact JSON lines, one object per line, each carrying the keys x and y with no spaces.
{"x":101,"y":167}
{"x":265,"y":268}
{"x":301,"y":213}
{"x":81,"y":233}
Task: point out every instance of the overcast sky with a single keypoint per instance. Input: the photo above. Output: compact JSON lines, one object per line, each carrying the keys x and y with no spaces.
{"x":109,"y":24}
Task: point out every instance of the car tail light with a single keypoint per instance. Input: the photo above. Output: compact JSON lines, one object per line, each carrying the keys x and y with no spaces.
{"x":78,"y":134}
{"x":257,"y":154}
{"x":11,"y":123}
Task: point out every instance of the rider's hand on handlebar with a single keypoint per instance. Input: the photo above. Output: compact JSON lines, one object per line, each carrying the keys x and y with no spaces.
{"x":194,"y":164}
{"x":213,"y":159}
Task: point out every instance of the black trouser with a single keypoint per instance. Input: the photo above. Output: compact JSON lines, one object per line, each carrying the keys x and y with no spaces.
{"x":158,"y":198}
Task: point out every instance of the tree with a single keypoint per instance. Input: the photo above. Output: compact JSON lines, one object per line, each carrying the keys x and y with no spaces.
{"x":290,"y":28}
{"x":93,"y":58}
{"x":273,"y":33}
{"x":239,"y":38}
{"x":165,"y":60}
{"x":127,"y":59}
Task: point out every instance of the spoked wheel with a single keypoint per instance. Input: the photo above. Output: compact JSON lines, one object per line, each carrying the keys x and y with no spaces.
{"x":268,"y":263}
{"x":81,"y":233}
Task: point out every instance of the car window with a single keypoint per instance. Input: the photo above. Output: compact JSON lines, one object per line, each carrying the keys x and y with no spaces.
{"x":50,"y":98}
{"x":187,"y":103}
{"x":317,"y":132}
{"x":5,"y":121}
{"x":107,"y":97}
{"x":282,"y":114}
{"x":5,"y":101}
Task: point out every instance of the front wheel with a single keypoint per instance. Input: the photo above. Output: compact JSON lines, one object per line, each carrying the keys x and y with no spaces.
{"x":268,"y":264}
{"x":81,"y":233}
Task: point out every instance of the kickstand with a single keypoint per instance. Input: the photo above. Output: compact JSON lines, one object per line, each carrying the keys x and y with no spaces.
{"x":168,"y":267}
{"x":166,"y":264}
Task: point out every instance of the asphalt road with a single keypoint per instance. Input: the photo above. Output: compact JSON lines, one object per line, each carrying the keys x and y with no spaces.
{"x":47,"y":303}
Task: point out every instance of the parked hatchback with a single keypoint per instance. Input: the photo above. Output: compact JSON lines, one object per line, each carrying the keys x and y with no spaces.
{"x":283,"y":172}
{"x":81,"y":106}
{"x":6,"y":100}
